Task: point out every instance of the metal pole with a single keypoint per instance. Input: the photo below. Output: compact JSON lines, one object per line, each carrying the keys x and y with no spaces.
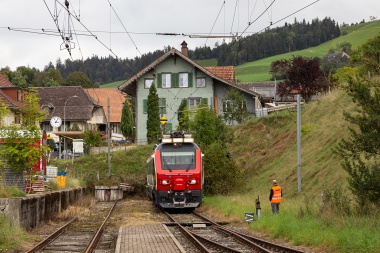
{"x":64,"y":123}
{"x":109,"y":137}
{"x":299,"y":140}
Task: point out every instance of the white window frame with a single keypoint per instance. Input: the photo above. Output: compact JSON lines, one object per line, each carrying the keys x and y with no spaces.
{"x":201,"y":82}
{"x":183,"y":80}
{"x":148,"y":82}
{"x":166,"y":80}
{"x":194,"y":101}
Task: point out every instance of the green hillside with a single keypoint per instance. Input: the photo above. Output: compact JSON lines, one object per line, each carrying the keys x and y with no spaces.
{"x":112,"y":85}
{"x":259,"y":70}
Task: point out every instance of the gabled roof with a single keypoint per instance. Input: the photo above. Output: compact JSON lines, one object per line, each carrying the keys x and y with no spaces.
{"x":9,"y":102}
{"x":225,"y":72}
{"x":117,"y":99}
{"x":128,"y":85}
{"x":4,"y":82}
{"x":63,"y":104}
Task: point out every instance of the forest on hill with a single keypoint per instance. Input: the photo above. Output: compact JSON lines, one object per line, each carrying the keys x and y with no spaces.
{"x":291,"y":37}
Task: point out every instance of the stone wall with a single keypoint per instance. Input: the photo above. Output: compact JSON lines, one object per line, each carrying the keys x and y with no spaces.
{"x":33,"y":210}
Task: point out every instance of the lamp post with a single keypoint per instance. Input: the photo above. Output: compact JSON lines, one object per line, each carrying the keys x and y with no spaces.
{"x":64,"y":122}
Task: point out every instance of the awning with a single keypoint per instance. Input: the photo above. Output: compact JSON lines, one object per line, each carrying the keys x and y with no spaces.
{"x":70,"y":135}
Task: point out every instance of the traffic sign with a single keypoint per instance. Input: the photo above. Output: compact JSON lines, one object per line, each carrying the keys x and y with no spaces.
{"x":163,"y":120}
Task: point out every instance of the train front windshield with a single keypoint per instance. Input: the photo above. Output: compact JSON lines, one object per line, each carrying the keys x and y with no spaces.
{"x":178,"y":160}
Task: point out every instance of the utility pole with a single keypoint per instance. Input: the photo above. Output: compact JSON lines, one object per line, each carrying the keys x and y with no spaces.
{"x":109,"y":137}
{"x":299,"y":140}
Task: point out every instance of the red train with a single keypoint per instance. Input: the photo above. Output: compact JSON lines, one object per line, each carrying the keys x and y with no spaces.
{"x":175,"y":173}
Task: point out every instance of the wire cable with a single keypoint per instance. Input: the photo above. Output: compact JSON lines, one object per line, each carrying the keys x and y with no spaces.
{"x":124,"y":28}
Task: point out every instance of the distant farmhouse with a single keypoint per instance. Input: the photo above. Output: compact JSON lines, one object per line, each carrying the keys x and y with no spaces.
{"x":12,"y":97}
{"x":178,"y":78}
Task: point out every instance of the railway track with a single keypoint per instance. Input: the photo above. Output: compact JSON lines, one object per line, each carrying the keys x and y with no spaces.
{"x":209,"y":236}
{"x":80,"y":235}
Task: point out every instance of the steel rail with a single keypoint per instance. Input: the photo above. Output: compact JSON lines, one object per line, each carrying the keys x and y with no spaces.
{"x":189,"y":235}
{"x":50,"y":238}
{"x":95,"y":240}
{"x":255,"y":240}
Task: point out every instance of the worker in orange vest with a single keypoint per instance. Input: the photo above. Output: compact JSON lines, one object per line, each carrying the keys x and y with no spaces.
{"x":275,"y":197}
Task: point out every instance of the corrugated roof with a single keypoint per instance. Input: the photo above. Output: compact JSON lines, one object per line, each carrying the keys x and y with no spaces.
{"x":4,"y":82}
{"x":117,"y":99}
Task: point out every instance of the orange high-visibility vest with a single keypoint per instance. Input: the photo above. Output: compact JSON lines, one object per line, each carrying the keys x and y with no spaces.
{"x":277,"y":192}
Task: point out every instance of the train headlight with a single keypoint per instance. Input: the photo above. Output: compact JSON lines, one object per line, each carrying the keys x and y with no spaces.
{"x":165,"y":182}
{"x":192,"y":181}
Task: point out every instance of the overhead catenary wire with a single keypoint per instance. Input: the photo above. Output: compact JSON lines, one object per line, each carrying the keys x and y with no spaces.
{"x":125,"y":28}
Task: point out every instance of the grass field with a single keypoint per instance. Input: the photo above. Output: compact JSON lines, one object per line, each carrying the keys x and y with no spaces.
{"x":258,"y":71}
{"x":112,"y":85}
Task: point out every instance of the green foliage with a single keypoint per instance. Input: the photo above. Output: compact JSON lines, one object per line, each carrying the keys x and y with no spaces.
{"x":21,"y":149}
{"x":235,"y":107}
{"x":367,"y":56}
{"x":11,"y":237}
{"x":127,"y":120}
{"x":10,"y":192}
{"x":78,"y":78}
{"x":91,"y":138}
{"x":221,"y":171}
{"x":182,"y":119}
{"x":153,"y":121}
{"x":304,"y":76}
{"x":360,"y":152}
{"x":31,"y":114}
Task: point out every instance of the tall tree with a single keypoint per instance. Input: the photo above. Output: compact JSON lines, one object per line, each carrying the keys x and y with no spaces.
{"x":181,"y":115}
{"x":304,"y":76}
{"x":78,"y":78}
{"x":153,"y":121}
{"x":127,"y":120}
{"x":361,"y":151}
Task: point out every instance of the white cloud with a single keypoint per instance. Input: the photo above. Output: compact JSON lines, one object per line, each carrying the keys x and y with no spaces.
{"x":143,"y":19}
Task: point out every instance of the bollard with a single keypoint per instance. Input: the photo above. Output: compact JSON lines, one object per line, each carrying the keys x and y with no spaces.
{"x":258,"y":208}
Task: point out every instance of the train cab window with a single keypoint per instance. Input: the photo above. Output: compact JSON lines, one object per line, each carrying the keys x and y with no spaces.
{"x":178,"y":160}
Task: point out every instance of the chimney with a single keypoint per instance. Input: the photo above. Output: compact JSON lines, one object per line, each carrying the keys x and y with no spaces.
{"x":184,"y":48}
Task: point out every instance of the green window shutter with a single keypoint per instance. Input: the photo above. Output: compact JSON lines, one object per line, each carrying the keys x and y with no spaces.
{"x":145,"y":105}
{"x":204,"y":101}
{"x":175,"y":80}
{"x":159,"y":80}
{"x":168,"y":127}
{"x":190,"y":81}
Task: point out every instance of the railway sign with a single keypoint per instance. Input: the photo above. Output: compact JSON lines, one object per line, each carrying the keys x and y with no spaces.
{"x":249,"y":217}
{"x":163,"y":120}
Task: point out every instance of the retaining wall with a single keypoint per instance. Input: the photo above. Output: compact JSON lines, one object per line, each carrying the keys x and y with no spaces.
{"x":33,"y":210}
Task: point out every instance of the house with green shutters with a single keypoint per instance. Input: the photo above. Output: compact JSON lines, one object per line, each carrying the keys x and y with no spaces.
{"x":178,"y":78}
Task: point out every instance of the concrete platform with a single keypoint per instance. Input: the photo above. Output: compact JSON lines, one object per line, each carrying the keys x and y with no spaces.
{"x":147,"y":238}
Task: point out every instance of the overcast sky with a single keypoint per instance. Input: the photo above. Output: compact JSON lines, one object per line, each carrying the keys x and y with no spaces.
{"x":129,"y":27}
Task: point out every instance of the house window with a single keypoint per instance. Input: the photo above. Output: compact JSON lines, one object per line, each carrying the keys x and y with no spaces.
{"x":148,"y":82}
{"x":226,"y":104}
{"x":166,"y":80}
{"x":162,"y":105}
{"x":194,"y":102}
{"x":201,"y":82}
{"x":183,"y":80}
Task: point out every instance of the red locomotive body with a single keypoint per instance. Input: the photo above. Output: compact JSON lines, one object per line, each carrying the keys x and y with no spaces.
{"x":175,"y":173}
